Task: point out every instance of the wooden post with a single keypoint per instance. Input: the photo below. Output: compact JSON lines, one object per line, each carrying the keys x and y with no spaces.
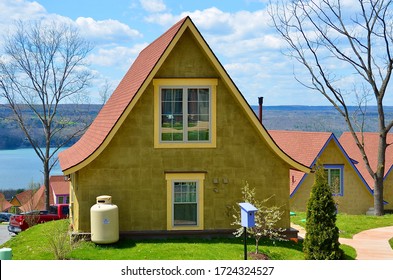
{"x":245,"y":243}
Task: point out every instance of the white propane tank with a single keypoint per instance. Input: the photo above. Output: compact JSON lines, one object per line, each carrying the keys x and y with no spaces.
{"x":104,"y":220}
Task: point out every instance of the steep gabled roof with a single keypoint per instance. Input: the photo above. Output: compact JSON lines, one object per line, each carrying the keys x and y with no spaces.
{"x":304,"y":147}
{"x":307,"y":147}
{"x":123,"y":99}
{"x":371,"y":147}
{"x":117,"y":104}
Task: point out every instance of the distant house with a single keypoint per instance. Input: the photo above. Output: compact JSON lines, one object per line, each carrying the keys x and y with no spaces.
{"x":350,"y":190}
{"x":174,"y":145}
{"x":4,"y":204}
{"x":60,"y":188}
{"x":21,"y":198}
{"x":371,"y":146}
{"x":59,"y":193}
{"x":36,"y":201}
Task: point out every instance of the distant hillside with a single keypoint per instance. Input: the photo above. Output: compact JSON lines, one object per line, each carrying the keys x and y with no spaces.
{"x":12,"y":137}
{"x":304,"y":118}
{"x":316,"y":118}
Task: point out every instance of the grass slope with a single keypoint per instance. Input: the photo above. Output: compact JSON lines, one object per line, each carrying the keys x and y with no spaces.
{"x":33,"y":244}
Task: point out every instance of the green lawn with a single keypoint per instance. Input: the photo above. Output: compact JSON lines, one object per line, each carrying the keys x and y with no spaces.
{"x":351,"y":224}
{"x":33,"y":244}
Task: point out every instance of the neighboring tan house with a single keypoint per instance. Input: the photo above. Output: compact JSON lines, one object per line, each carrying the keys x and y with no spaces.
{"x":21,"y":198}
{"x":4,"y":204}
{"x":59,"y":193}
{"x":37,"y":201}
{"x":350,"y":191}
{"x":174,"y":145}
{"x":371,"y":146}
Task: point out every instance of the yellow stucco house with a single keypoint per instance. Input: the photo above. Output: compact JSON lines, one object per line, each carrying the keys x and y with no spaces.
{"x":350,"y":191}
{"x":371,"y":146}
{"x":174,"y":144}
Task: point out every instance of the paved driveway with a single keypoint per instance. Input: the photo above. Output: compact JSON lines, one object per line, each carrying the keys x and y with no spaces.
{"x":4,"y":234}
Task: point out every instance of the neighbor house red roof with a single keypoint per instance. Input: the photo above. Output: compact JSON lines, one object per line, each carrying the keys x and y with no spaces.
{"x":4,"y":204}
{"x":304,"y":147}
{"x":371,"y":147}
{"x":37,"y":201}
{"x":59,"y":185}
{"x":21,"y":198}
{"x":118,"y":102}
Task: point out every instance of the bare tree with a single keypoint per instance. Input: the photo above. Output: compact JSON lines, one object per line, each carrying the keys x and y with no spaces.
{"x":105,"y":91}
{"x":42,"y":65}
{"x":346,"y":49}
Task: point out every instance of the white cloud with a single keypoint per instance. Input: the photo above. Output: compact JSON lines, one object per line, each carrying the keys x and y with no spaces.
{"x":19,"y":10}
{"x":117,"y":56}
{"x":153,"y":6}
{"x":106,"y":30}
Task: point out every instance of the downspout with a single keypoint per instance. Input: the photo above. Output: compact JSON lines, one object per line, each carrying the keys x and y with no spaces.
{"x":260,"y":102}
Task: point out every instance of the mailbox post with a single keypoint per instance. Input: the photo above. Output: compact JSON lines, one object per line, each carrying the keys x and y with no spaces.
{"x":247,"y":212}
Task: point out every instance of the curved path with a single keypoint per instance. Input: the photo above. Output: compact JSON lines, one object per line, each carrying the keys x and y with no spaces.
{"x":372,"y":244}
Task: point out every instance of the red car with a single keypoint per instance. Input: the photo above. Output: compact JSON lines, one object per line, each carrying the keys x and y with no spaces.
{"x":23,"y":221}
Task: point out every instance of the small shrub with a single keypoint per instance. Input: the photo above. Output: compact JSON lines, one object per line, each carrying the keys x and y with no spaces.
{"x":59,"y":239}
{"x":321,"y":240}
{"x":266,"y":218}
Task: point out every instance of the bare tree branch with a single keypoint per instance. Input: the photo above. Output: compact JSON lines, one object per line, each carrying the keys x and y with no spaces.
{"x":335,"y":42}
{"x":43,"y":65}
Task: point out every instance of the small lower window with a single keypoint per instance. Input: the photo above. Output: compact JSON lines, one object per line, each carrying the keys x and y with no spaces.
{"x":185,"y":205}
{"x":185,"y":201}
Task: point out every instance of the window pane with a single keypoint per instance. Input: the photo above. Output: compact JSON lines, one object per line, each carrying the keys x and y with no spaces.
{"x":204,"y":94}
{"x":192,"y":94}
{"x":172,"y":115}
{"x":185,"y":214}
{"x":198,"y":115}
{"x":335,"y":181}
{"x":185,"y":203}
{"x":333,"y":176}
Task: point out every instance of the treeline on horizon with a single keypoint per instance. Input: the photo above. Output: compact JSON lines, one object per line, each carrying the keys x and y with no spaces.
{"x":300,"y":118}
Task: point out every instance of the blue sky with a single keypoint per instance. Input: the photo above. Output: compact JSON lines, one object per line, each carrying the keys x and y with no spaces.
{"x":238,"y":31}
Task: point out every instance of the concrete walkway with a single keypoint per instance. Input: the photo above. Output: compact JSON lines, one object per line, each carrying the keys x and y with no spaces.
{"x":371,"y":244}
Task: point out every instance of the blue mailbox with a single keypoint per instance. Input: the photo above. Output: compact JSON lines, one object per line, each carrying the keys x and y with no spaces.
{"x":247,"y":211}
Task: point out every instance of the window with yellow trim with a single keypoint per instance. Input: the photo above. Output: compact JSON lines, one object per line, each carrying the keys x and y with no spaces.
{"x":185,"y":201}
{"x":185,"y":112}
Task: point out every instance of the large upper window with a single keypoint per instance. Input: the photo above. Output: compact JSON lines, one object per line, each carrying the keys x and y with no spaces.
{"x":334,"y":174}
{"x":185,"y":112}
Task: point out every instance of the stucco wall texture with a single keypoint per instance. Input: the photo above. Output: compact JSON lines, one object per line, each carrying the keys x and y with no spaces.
{"x":132,"y":171}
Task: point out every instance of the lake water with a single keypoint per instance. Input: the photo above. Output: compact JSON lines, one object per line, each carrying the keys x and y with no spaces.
{"x":21,"y":166}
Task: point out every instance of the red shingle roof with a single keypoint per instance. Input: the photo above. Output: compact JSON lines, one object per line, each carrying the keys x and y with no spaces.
{"x":37,"y":201}
{"x":118,"y":102}
{"x":371,"y":146}
{"x":304,"y":147}
{"x":22,"y":198}
{"x":59,"y":185}
{"x":4,"y":204}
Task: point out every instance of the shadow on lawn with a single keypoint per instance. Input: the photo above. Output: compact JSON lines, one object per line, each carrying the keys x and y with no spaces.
{"x":214,"y":248}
